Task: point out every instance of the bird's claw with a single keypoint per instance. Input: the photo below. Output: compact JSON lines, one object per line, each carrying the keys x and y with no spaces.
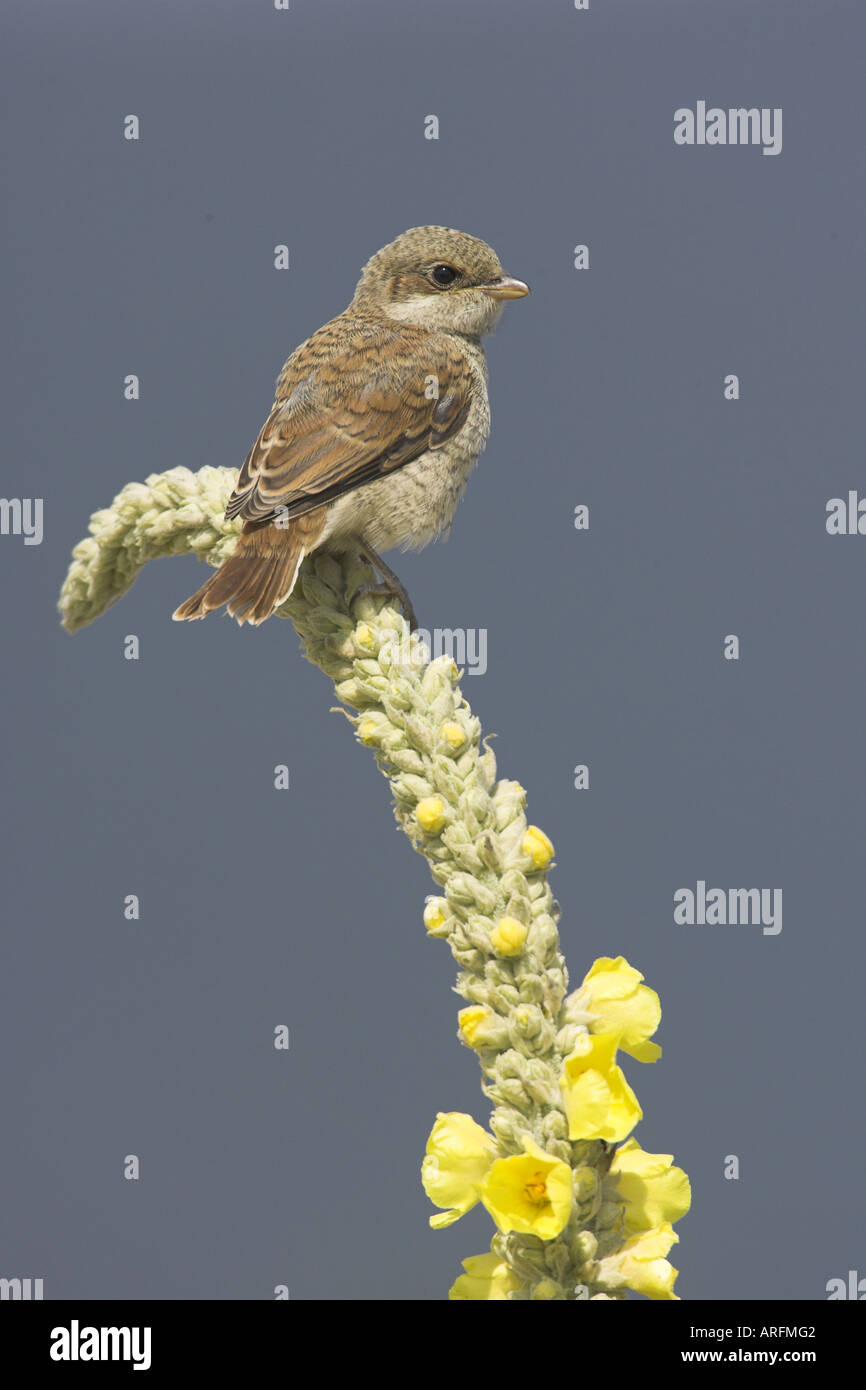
{"x":388,"y":590}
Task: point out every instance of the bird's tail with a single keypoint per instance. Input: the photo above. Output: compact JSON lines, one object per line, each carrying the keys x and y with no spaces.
{"x":253,"y":581}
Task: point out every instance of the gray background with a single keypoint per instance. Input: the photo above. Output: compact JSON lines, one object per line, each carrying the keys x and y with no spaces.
{"x":707,"y":517}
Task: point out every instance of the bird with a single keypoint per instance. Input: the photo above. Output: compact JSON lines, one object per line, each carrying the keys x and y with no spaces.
{"x":377,"y":422}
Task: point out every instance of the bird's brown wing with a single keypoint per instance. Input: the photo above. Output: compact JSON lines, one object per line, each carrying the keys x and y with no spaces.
{"x":358,"y":400}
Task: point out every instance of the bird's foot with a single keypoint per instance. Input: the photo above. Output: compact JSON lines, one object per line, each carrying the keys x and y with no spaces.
{"x":389,"y":585}
{"x":391,"y":591}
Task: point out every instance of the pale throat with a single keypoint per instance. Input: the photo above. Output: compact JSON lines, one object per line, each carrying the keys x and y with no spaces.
{"x":470,"y":316}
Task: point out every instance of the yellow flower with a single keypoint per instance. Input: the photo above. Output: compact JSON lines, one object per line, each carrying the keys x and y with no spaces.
{"x":487,"y":1277}
{"x":453,"y":735}
{"x":529,"y":1192}
{"x":430,"y":814}
{"x":640,"y":1264}
{"x":459,"y":1153}
{"x":435,"y":915}
{"x":536,"y":844}
{"x":364,"y":636}
{"x":471,"y":1022}
{"x":482,"y":1028}
{"x":509,"y":936}
{"x":599,"y":1102}
{"x":613,"y":992}
{"x":654,"y":1192}
{"x":368,"y":730}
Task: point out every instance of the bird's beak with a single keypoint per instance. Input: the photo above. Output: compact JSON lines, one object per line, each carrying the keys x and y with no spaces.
{"x":506,"y":288}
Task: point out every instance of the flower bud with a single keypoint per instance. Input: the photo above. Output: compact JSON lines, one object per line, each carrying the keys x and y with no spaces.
{"x":547,"y":1290}
{"x":508,"y":937}
{"x":481,"y":1028}
{"x":436,"y":917}
{"x":452,"y":735}
{"x":536,"y":844}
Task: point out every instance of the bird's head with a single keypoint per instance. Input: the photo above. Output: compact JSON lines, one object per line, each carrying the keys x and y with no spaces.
{"x":437,"y":278}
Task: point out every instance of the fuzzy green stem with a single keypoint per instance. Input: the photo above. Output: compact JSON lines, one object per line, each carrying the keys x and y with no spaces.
{"x":470,"y":826}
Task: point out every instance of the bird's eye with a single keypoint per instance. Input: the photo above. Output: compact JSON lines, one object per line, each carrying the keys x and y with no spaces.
{"x":444,"y":274}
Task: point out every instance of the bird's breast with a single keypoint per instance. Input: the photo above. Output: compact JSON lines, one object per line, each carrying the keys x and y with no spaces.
{"x":415,"y":504}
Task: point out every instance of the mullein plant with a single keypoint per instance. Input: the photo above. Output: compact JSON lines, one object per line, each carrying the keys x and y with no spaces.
{"x":579,"y":1209}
